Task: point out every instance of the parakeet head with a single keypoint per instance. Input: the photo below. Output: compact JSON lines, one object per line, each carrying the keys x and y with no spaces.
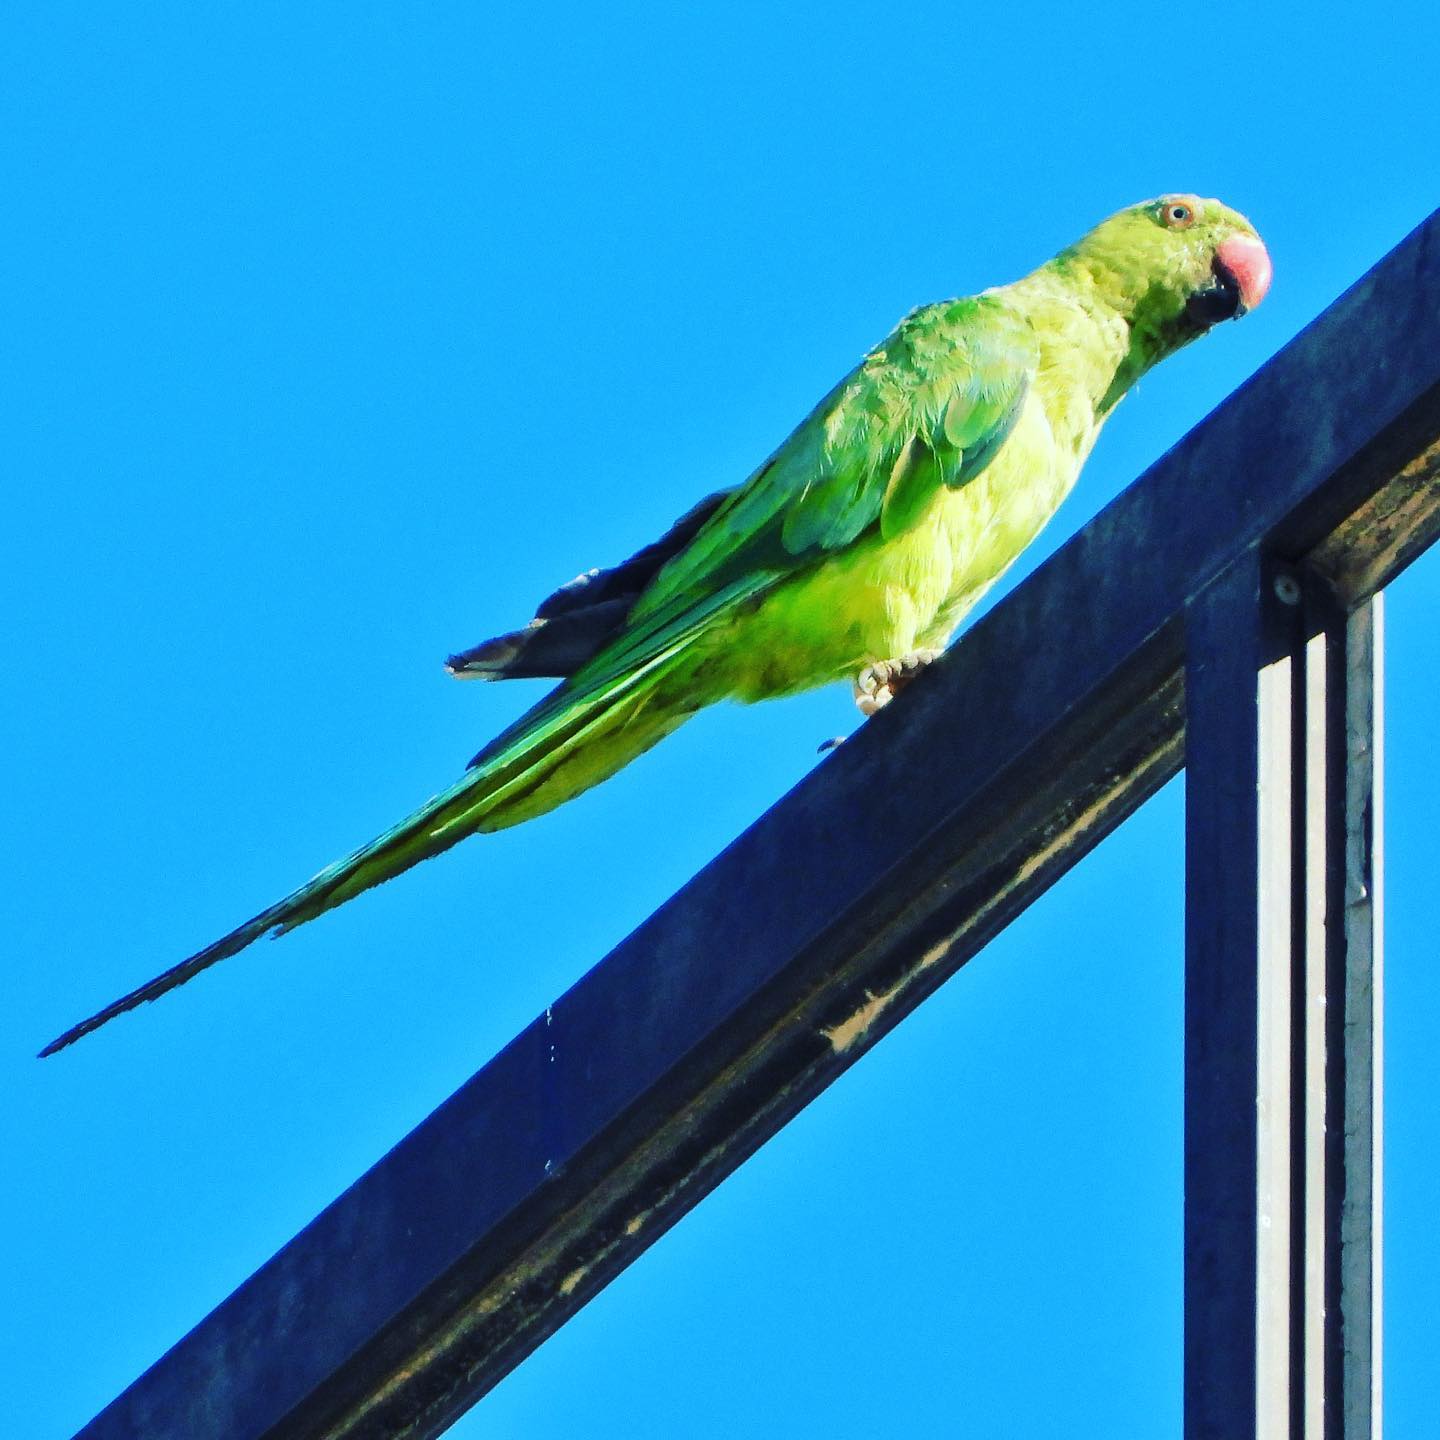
{"x":1173,"y":267}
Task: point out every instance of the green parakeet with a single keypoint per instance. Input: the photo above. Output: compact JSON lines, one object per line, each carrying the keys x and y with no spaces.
{"x":852,"y":552}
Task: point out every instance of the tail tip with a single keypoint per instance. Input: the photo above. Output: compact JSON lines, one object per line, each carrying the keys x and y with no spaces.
{"x":461,"y":669}
{"x":492,"y":659}
{"x":60,"y":1042}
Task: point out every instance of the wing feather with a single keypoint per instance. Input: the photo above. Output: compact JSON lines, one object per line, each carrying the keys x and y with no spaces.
{"x":930,"y":406}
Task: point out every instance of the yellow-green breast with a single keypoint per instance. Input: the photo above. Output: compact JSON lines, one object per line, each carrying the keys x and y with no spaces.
{"x":883,"y":598}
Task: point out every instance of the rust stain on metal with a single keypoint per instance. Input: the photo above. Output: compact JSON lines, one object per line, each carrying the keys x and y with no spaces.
{"x":1386,"y":532}
{"x":845,"y":1034}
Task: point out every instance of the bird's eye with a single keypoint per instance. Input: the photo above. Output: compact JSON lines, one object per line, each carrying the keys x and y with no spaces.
{"x":1178,"y":214}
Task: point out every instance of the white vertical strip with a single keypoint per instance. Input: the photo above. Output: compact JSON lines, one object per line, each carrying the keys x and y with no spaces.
{"x":1376,"y":695}
{"x":1273,"y":1133}
{"x":1318,"y":762}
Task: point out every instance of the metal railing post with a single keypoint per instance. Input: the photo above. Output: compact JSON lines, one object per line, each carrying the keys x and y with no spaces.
{"x":1353,"y":1026}
{"x":1281,"y":994}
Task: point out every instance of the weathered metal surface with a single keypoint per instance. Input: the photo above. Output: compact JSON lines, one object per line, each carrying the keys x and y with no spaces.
{"x":822,"y":926}
{"x":1384,"y":534}
{"x":1353,"y":1024}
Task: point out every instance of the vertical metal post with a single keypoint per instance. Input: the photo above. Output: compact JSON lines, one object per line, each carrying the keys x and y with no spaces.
{"x":1281,"y":995}
{"x":1354,"y":1031}
{"x":1239,"y":701}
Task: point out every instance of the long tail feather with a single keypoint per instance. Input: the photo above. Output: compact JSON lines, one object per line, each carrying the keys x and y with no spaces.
{"x":498,"y":791}
{"x":222,"y":949}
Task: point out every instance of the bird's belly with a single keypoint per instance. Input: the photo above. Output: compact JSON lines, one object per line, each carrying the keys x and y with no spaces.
{"x":866,"y":603}
{"x":991,"y":521}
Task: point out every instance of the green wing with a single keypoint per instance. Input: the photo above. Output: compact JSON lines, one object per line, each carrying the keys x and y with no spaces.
{"x":928,"y":407}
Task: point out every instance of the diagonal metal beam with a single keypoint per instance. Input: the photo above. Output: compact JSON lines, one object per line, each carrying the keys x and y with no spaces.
{"x":829,"y":920}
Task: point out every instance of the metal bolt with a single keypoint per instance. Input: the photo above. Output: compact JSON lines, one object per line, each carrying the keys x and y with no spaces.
{"x":1287,"y":588}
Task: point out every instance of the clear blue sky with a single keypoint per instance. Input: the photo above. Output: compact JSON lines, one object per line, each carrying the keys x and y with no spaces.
{"x":336,"y":335}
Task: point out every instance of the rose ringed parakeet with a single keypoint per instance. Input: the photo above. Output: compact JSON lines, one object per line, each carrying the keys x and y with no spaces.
{"x":851,"y":553}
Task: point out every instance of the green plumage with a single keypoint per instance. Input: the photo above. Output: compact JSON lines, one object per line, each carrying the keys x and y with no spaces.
{"x":868,"y":534}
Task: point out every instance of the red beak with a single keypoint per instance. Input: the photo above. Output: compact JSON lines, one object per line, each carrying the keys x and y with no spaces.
{"x":1247,"y":262}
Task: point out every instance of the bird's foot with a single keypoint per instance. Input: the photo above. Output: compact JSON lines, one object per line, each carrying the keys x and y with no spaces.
{"x":878,"y":684}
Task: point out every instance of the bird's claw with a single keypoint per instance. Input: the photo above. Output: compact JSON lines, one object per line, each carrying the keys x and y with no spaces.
{"x":878,"y":684}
